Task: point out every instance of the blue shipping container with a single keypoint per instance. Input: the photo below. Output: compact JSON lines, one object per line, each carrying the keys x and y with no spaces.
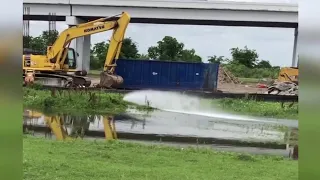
{"x":166,"y":75}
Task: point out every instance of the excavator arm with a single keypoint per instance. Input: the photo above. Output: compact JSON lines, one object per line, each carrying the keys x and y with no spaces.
{"x":57,"y":54}
{"x":56,"y":125}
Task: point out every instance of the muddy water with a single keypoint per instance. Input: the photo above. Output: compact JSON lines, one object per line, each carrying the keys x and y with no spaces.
{"x":165,"y":123}
{"x":162,"y":122}
{"x":191,"y":115}
{"x":181,"y":119}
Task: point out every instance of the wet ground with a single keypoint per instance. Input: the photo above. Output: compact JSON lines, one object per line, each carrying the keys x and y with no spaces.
{"x":227,"y":133}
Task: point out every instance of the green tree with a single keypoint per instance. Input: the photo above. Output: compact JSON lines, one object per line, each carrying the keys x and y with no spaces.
{"x":40,"y":42}
{"x":27,"y":41}
{"x":216,"y":59}
{"x":143,"y":57}
{"x":49,"y":37}
{"x":169,"y":49}
{"x":263,"y":64}
{"x":245,"y":56}
{"x":98,"y":55}
{"x":129,"y":50}
{"x":189,"y":55}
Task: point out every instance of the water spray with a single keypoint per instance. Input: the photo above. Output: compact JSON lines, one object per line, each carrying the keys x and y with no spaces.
{"x":181,"y":103}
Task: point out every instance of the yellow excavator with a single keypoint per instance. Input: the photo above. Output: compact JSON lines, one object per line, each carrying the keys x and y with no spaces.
{"x":53,"y":69}
{"x":289,"y":74}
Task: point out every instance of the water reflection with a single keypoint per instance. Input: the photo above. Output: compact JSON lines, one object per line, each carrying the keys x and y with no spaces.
{"x":66,"y":126}
{"x":157,"y":125}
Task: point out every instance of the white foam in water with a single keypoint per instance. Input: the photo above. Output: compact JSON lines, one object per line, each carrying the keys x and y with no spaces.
{"x":179,"y":103}
{"x":163,"y":100}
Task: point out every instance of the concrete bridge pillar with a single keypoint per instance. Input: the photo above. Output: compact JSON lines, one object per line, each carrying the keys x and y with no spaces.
{"x":295,"y":52}
{"x":81,"y":45}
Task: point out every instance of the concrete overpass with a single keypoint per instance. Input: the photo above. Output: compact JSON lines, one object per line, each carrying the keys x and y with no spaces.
{"x":191,"y":12}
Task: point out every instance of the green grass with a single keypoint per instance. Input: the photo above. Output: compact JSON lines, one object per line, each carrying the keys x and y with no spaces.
{"x":76,"y":101}
{"x":249,"y":80}
{"x":81,"y":160}
{"x":256,"y":108}
{"x":240,"y":70}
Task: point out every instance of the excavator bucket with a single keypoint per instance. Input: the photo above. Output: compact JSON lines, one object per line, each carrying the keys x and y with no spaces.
{"x":110,"y":81}
{"x":29,"y":77}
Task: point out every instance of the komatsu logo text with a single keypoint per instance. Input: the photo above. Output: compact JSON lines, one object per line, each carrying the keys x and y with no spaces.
{"x":94,"y":28}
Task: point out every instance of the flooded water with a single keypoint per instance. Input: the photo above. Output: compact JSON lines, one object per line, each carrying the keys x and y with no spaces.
{"x":159,"y":125}
{"x":180,"y":119}
{"x":192,"y":116}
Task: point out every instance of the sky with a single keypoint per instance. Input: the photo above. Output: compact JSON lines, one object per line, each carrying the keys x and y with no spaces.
{"x":272,"y":44}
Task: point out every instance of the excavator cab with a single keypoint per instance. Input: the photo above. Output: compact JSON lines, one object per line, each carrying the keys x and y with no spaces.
{"x":71,"y":59}
{"x":71,"y":62}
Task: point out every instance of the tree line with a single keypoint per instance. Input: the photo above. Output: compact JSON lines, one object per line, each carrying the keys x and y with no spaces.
{"x":244,"y":62}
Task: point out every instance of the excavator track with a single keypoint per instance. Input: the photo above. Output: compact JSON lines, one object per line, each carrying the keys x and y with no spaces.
{"x":80,"y":81}
{"x":61,"y":80}
{"x":52,"y":80}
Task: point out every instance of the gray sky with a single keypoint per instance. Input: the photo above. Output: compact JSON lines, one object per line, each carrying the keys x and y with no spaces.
{"x":273,"y":44}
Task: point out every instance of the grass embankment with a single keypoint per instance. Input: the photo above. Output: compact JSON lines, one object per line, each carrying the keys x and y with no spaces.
{"x":76,"y":101}
{"x":102,"y":102}
{"x":257,"y":108}
{"x":47,"y":159}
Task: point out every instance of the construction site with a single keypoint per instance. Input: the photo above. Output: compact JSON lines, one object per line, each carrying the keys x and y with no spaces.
{"x":138,"y":74}
{"x":286,"y":83}
{"x":193,"y":108}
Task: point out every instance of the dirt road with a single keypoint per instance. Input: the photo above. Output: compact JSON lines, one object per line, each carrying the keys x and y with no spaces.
{"x":240,"y":88}
{"x":225,"y":87}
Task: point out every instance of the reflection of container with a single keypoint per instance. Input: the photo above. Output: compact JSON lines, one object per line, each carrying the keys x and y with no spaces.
{"x":151,"y":74}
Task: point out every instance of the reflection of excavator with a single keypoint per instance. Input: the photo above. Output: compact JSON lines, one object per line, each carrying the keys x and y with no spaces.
{"x":56,"y":123}
{"x":32,"y":114}
{"x":109,"y":127}
{"x":287,"y":82}
{"x":52,"y":69}
{"x":59,"y":125}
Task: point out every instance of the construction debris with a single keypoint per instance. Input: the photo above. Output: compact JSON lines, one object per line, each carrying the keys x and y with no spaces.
{"x":225,"y":76}
{"x":260,"y":85}
{"x":265,"y":86}
{"x":284,"y":88}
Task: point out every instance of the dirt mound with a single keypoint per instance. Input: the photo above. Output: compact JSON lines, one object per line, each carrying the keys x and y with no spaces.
{"x":225,"y":76}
